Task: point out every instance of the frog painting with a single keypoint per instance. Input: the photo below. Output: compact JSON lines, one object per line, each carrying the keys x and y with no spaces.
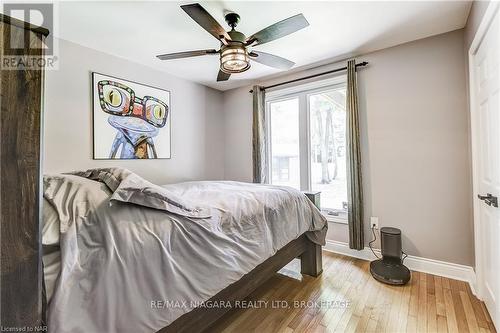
{"x":131,"y":120}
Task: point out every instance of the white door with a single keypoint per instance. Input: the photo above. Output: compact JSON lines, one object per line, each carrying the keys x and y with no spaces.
{"x":485,"y":119}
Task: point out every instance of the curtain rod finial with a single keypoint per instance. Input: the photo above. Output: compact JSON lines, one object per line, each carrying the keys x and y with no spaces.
{"x":260,"y":88}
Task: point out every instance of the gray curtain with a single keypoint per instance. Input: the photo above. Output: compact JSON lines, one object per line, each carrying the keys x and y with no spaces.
{"x":353,"y":153}
{"x":259,"y":141}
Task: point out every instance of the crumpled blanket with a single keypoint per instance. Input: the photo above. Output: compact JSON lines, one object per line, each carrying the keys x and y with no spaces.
{"x":119,"y":258}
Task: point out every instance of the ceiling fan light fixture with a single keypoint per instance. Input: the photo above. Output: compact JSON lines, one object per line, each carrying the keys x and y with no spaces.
{"x":234,"y":59}
{"x":234,"y":56}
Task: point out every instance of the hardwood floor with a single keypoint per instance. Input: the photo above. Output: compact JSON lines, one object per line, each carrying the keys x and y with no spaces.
{"x":345,"y":298}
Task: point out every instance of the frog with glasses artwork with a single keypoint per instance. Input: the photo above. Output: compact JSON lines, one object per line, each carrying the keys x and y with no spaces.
{"x":137,"y":121}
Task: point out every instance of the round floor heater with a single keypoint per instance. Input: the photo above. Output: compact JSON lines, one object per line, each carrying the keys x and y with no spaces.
{"x":390,"y":268}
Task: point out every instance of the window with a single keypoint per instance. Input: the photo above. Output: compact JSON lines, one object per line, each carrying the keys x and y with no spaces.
{"x":307,"y":131}
{"x":285,"y":164}
{"x":281,"y":169}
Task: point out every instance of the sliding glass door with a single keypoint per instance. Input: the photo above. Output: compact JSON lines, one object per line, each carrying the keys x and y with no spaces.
{"x":307,"y":131}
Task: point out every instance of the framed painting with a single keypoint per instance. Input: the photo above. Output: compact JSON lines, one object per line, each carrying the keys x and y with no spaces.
{"x":131,"y":120}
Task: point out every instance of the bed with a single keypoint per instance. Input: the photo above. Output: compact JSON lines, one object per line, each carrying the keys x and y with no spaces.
{"x":124,"y":255}
{"x":22,"y":277}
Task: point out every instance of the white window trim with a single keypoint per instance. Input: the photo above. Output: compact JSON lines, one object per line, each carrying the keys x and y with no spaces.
{"x":302,"y":92}
{"x":316,"y":85}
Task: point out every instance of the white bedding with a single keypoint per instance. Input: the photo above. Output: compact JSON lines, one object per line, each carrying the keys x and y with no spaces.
{"x":117,"y":258}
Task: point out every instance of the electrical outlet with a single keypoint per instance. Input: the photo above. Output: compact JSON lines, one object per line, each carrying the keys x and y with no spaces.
{"x":374,"y":222}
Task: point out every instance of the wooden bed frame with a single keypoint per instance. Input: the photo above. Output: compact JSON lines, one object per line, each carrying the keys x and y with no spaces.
{"x":21,"y":283}
{"x":200,"y":319}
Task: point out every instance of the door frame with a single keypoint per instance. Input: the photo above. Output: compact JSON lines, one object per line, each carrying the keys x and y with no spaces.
{"x":486,"y":21}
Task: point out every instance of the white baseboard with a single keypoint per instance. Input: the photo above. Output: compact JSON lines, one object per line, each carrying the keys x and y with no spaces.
{"x":431,"y":266}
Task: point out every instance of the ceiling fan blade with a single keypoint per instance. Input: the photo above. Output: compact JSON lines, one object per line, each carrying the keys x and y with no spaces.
{"x":187,"y":54}
{"x":271,"y":60}
{"x":278,"y":30}
{"x":206,"y":21}
{"x":222,"y":76}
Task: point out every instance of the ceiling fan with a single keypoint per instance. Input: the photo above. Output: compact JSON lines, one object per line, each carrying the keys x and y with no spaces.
{"x":234,"y":52}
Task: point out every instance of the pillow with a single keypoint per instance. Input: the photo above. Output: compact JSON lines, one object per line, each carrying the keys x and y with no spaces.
{"x":72,"y":196}
{"x":50,"y":224}
{"x":128,"y":187}
{"x":109,"y":176}
{"x":139,"y":191}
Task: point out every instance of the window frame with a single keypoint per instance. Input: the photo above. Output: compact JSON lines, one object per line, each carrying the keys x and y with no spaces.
{"x":302,"y":93}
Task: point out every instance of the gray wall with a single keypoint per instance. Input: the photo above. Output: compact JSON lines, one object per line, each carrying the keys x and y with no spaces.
{"x":197,"y":119}
{"x":414,"y":132}
{"x":414,"y":136}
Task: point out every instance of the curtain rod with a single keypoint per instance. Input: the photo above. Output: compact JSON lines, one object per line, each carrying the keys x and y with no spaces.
{"x":361,"y":64}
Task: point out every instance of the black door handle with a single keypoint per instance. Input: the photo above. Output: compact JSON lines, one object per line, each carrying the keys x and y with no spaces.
{"x":489,"y":199}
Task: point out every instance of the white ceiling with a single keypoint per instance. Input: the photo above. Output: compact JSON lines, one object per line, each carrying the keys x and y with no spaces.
{"x":140,"y":30}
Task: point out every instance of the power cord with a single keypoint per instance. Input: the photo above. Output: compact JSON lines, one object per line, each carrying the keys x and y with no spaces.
{"x":406,"y":256}
{"x":372,"y":241}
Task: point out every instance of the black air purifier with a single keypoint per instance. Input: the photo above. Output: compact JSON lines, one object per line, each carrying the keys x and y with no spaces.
{"x":390,"y":268}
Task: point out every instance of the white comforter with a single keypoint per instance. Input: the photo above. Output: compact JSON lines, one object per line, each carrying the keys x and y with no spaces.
{"x":120,"y":262}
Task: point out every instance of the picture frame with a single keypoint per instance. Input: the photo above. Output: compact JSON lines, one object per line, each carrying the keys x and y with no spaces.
{"x":130,"y":120}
